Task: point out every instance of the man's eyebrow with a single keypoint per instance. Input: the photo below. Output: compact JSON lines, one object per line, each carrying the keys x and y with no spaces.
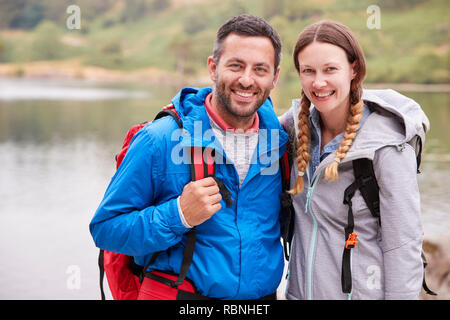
{"x":234,"y":59}
{"x":259,"y":64}
{"x":263,"y":64}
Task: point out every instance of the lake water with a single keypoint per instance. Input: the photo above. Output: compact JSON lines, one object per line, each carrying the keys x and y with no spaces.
{"x":57,"y":146}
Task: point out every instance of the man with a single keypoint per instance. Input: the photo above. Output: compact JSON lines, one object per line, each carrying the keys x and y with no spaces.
{"x":151,"y":202}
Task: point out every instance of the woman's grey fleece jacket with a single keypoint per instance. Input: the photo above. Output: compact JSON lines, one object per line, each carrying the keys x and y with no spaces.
{"x":386,"y":263}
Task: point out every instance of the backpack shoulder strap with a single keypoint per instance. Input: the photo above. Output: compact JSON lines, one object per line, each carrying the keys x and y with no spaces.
{"x":417,"y":144}
{"x":202,"y":165}
{"x":170,"y":110}
{"x":368,"y":186}
{"x":366,"y":182}
{"x":287,"y":209}
{"x":101,"y":266}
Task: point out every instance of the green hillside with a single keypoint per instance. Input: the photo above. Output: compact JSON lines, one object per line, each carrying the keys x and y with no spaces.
{"x":411,"y":45}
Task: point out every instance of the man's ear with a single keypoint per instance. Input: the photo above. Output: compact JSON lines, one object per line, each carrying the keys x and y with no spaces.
{"x":275,"y":78}
{"x":212,"y":67}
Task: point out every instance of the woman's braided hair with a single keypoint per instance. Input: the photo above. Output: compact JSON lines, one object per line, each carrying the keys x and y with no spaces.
{"x":335,"y":33}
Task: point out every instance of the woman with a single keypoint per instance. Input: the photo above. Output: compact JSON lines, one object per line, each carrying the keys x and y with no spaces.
{"x":340,"y":253}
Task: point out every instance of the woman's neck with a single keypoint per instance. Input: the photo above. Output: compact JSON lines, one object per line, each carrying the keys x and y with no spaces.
{"x":333,"y":123}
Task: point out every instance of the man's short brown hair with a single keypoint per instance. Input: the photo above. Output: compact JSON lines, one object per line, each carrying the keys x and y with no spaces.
{"x":248,"y":25}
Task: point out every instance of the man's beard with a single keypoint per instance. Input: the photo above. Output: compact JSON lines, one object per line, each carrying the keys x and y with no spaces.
{"x":224,"y":99}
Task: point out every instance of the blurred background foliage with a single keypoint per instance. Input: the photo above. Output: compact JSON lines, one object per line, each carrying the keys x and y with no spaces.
{"x":412,"y":45}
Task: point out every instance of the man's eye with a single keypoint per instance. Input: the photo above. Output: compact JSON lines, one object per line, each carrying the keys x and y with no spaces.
{"x":261,"y":70}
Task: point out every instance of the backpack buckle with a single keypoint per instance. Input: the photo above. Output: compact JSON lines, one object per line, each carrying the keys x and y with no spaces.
{"x":351,"y":241}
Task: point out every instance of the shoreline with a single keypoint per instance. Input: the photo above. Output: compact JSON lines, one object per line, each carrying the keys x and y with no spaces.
{"x":410,"y":87}
{"x":74,"y":70}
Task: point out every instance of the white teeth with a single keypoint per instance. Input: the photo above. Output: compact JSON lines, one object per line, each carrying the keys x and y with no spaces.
{"x":322,"y":95}
{"x":244,"y":94}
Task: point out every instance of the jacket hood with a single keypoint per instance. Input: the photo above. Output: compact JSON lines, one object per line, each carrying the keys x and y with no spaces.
{"x":407,"y":112}
{"x":189,"y":104}
{"x":395,"y":120}
{"x":186,"y":101}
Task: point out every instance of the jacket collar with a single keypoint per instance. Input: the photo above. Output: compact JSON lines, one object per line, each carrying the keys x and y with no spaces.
{"x":197,"y":131}
{"x":222,"y":123}
{"x":189,"y":104}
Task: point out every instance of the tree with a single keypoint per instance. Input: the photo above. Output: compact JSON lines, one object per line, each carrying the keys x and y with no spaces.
{"x":272,"y":8}
{"x":3,"y":51}
{"x":46,"y":45}
{"x":181,"y":46}
{"x":159,"y":5}
{"x":31,"y":15}
{"x":295,"y":10}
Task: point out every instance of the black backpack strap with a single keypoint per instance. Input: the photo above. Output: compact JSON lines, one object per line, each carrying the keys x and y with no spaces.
{"x":101,"y":266}
{"x":170,"y":111}
{"x":350,"y":239}
{"x":368,"y":187}
{"x":187,"y":255}
{"x":366,"y":183}
{"x":424,"y":283}
{"x":185,"y":263}
{"x":417,"y":144}
{"x":199,"y":169}
{"x":287,"y":209}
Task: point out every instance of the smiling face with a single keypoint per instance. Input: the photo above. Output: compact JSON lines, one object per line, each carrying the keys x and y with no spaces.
{"x":243,"y":78}
{"x":326,"y":75}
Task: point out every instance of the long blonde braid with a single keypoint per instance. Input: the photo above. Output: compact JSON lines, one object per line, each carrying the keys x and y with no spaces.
{"x":303,"y":136}
{"x":331,"y":172}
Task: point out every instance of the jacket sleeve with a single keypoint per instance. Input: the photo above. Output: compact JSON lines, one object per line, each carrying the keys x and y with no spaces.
{"x":128,"y":220}
{"x":401,"y":227}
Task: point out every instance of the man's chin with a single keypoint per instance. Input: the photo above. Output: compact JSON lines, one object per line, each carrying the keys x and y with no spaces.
{"x":244,"y":111}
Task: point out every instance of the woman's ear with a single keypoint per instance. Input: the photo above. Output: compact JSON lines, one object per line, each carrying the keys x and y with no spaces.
{"x":354,"y":69}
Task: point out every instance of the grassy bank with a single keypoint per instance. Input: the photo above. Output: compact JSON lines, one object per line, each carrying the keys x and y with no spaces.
{"x":74,"y":69}
{"x":126,"y":37}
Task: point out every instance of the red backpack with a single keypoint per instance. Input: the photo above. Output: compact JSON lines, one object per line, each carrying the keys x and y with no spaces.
{"x":123,"y":274}
{"x":125,"y":277}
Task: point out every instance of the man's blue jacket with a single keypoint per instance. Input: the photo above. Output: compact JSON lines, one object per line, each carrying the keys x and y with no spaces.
{"x":238,"y":253}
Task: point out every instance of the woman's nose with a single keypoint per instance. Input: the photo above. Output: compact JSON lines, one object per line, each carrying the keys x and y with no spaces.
{"x":319,"y":82}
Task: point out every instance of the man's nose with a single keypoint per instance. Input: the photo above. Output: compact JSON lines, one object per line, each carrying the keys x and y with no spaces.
{"x":246,"y":79}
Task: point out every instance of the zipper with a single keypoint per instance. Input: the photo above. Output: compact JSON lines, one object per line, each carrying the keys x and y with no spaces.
{"x":313,"y":237}
{"x":349,"y":295}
